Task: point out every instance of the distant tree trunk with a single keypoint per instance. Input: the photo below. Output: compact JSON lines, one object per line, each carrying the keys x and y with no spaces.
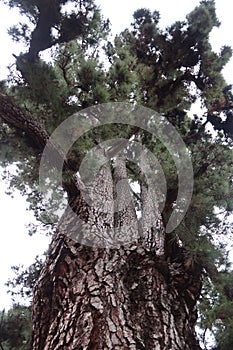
{"x":134,"y":296}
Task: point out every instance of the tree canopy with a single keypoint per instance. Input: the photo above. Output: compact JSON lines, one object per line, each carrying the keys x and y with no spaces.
{"x":165,"y":70}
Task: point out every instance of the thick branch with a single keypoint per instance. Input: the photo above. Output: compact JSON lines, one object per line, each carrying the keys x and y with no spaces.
{"x":20,"y":119}
{"x":49,"y":17}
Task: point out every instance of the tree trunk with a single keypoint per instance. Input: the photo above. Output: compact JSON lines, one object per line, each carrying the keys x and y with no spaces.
{"x":131,"y":296}
{"x":126,"y":298}
{"x":111,"y":281}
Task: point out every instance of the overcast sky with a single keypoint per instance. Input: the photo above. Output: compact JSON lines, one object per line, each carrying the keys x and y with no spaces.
{"x":16,"y":247}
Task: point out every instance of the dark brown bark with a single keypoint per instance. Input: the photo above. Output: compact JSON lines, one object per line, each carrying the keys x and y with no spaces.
{"x":129,"y":294}
{"x":22,"y":120}
{"x":126,"y":298}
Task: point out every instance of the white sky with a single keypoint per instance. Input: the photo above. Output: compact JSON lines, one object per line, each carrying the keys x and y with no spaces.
{"x":16,"y":246}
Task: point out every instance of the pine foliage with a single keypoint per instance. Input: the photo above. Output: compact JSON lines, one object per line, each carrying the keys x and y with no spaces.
{"x":166,"y":70}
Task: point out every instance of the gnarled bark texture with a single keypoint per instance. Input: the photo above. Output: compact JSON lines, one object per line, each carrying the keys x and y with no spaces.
{"x":125,"y":298}
{"x":131,"y":296}
{"x":111,"y":280}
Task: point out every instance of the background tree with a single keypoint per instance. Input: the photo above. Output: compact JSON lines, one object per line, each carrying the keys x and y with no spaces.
{"x":15,"y":328}
{"x":142,"y":295}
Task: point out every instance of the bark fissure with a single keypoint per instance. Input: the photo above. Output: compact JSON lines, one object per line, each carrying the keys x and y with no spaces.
{"x":125,"y":297}
{"x":131,"y":295}
{"x":115,"y":299}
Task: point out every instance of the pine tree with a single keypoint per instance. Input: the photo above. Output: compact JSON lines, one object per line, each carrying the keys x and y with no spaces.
{"x":15,"y":328}
{"x":143,"y":294}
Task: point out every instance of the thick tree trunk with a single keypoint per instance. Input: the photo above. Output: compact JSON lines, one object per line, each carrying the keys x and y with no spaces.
{"x":126,"y":298}
{"x":129,"y":295}
{"x":139,"y":294}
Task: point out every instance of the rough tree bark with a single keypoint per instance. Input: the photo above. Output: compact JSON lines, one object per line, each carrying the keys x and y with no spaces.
{"x":113,"y":299}
{"x":140,"y":294}
{"x":129,"y":297}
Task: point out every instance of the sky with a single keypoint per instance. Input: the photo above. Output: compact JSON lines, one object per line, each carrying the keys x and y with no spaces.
{"x":16,"y":246}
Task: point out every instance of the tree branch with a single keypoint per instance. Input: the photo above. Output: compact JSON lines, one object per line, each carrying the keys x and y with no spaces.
{"x":49,"y":17}
{"x":20,"y":119}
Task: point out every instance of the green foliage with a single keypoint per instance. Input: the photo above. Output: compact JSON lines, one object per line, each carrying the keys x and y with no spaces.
{"x":15,"y":328}
{"x":23,"y":283}
{"x":167,"y":70}
{"x":171,"y":62}
{"x":26,"y":7}
{"x":216,"y":309}
{"x":41,"y":79}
